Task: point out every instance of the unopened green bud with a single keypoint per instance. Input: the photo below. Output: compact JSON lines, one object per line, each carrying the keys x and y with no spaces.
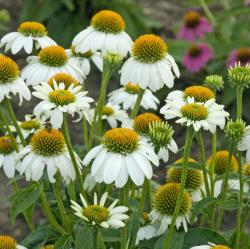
{"x":235,"y":130}
{"x":214,"y":82}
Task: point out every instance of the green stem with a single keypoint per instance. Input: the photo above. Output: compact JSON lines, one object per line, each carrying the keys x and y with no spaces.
{"x":106,"y":75}
{"x":203,"y":161}
{"x":59,"y":200}
{"x":239,"y":212}
{"x":187,"y":148}
{"x":14,"y":184}
{"x":212,"y":164}
{"x":207,"y":11}
{"x":95,"y":238}
{"x":224,"y":192}
{"x":3,"y":118}
{"x":143,"y":197}
{"x":72,"y":192}
{"x":14,"y":121}
{"x":137,"y":103}
{"x":65,"y":129}
{"x":27,"y":220}
{"x":85,"y":131}
{"x":239,"y":102}
{"x":123,"y":199}
{"x":47,"y":212}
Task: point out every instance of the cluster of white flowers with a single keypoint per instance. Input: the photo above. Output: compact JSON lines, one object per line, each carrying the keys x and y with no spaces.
{"x":123,"y":156}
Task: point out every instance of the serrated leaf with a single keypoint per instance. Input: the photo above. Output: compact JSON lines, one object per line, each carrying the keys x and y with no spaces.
{"x":84,"y":238}
{"x":200,"y":236}
{"x":38,"y":238}
{"x":64,"y":242}
{"x":24,"y":199}
{"x":201,"y":205}
{"x":176,"y":242}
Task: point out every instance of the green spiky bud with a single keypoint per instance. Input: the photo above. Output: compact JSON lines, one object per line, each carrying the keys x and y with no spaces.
{"x":160,"y":134}
{"x":214,"y":82}
{"x":235,"y":130}
{"x":239,"y":76}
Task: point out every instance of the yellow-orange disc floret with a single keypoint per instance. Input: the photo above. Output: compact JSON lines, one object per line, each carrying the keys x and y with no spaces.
{"x":220,"y":163}
{"x":7,"y":242}
{"x":166,"y":197}
{"x":199,"y":93}
{"x":64,"y":78}
{"x":32,"y":28}
{"x":9,"y":70}
{"x":143,"y":121}
{"x":53,"y":56}
{"x":108,"y":21}
{"x":121,"y":140}
{"x":149,"y":49}
{"x":48,"y":142}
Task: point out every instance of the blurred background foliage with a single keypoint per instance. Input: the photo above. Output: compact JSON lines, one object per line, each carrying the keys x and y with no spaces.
{"x":65,"y":18}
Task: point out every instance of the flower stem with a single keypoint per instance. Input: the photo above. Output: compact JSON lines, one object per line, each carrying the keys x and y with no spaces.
{"x":14,"y":121}
{"x":137,"y":103}
{"x":203,"y":161}
{"x":95,"y":238}
{"x":14,"y":184}
{"x":5,"y":122}
{"x":207,"y":11}
{"x":47,"y":212}
{"x":106,"y":75}
{"x":214,"y":147}
{"x":65,"y":129}
{"x":241,"y":180}
{"x":124,"y":200}
{"x":62,"y":211}
{"x":224,"y":192}
{"x":187,"y":148}
{"x":85,"y":131}
{"x":143,"y":197}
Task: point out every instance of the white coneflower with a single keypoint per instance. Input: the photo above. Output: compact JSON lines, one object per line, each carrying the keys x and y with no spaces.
{"x":113,"y":113}
{"x":210,"y":246}
{"x":194,"y":183}
{"x":29,"y":35}
{"x":150,"y":64}
{"x":100,"y":216}
{"x":48,"y":62}
{"x":206,"y":115}
{"x":127,"y":96}
{"x":10,"y":82}
{"x":47,"y":148}
{"x":105,"y":33}
{"x":164,"y":205}
{"x":8,"y":156}
{"x":60,"y":99}
{"x":7,"y":242}
{"x":82,"y":60}
{"x":244,"y":144}
{"x":28,"y":126}
{"x":122,"y":154}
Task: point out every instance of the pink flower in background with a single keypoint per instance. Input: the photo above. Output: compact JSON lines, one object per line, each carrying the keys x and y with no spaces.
{"x":196,"y":57}
{"x":241,"y":54}
{"x":247,"y":2}
{"x":195,"y":26}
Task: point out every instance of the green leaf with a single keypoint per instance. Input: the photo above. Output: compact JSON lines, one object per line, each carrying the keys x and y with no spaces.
{"x":111,"y":235}
{"x":24,"y":199}
{"x":231,"y":204}
{"x":69,"y":4}
{"x":84,"y":238}
{"x":39,"y":237}
{"x":176,"y":241}
{"x":201,"y":205}
{"x":200,"y":236}
{"x":64,"y":242}
{"x":132,"y":226}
